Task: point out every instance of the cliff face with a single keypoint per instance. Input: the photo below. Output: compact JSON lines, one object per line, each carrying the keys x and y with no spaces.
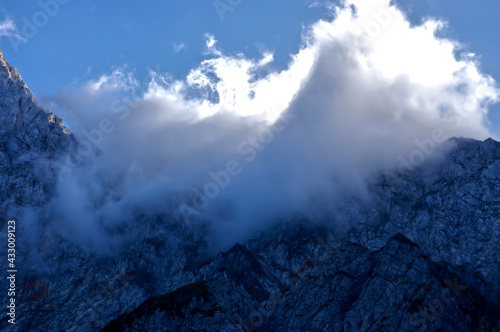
{"x":30,"y":139}
{"x":345,"y":287}
{"x":423,"y":253}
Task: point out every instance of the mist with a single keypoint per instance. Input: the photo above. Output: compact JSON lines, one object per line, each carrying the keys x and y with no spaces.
{"x":240,"y":146}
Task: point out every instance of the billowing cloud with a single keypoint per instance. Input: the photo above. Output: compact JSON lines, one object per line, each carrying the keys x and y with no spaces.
{"x":241,"y":145}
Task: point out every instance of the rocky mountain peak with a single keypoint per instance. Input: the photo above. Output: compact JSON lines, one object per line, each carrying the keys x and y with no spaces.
{"x":9,"y":71}
{"x":30,"y":138}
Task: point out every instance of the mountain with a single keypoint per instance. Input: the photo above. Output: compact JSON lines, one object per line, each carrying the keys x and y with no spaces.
{"x":422,"y":253}
{"x":30,"y":140}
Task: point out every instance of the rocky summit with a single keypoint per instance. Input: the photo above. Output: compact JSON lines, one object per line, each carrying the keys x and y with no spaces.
{"x":31,"y":140}
{"x":420,"y":253}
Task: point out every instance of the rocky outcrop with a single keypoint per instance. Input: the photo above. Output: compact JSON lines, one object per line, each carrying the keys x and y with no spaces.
{"x":30,"y":139}
{"x":452,"y":210}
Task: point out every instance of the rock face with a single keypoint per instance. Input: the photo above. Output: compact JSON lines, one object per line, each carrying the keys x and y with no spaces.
{"x":30,"y":138}
{"x":320,"y":287}
{"x":422,"y":254}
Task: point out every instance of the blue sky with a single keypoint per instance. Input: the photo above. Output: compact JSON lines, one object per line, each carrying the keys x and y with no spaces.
{"x":100,"y":35}
{"x":86,"y":39}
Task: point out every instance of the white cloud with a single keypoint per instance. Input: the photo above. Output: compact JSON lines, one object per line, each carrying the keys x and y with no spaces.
{"x":179,"y":47}
{"x":210,"y":40}
{"x":364,"y":87}
{"x":9,"y":29}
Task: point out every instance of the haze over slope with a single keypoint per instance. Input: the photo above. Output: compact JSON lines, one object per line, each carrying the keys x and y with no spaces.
{"x":366,"y":92}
